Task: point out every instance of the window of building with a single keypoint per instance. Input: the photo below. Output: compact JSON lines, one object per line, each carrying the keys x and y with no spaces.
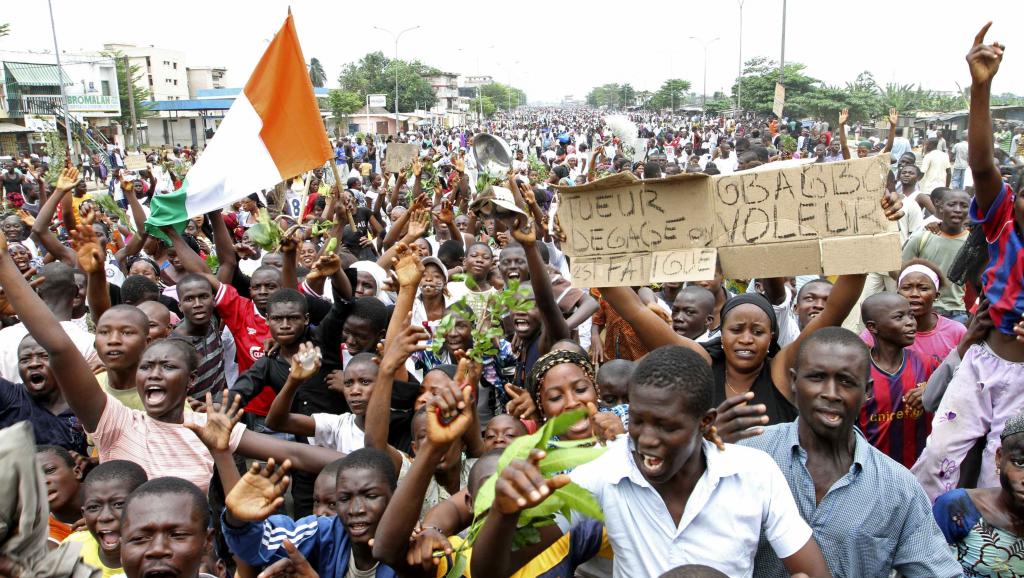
{"x":175,"y":66}
{"x":105,"y":87}
{"x":150,"y":80}
{"x":175,"y":82}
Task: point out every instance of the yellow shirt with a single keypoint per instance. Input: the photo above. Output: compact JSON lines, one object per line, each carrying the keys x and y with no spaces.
{"x":90,"y":553}
{"x":75,"y":203}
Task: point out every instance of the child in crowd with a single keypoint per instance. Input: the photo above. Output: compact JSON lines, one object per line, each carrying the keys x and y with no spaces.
{"x":893,"y":418}
{"x":63,"y":478}
{"x":105,"y":492}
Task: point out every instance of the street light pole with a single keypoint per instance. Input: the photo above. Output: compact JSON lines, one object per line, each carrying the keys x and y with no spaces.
{"x":397,"y":37}
{"x":782,"y":57}
{"x":739,"y":78}
{"x":60,"y":79}
{"x":704,"y":44}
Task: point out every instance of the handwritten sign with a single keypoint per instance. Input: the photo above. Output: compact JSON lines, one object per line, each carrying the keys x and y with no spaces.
{"x":401,"y":155}
{"x":780,"y":99}
{"x":785,"y":218}
{"x":135,"y":162}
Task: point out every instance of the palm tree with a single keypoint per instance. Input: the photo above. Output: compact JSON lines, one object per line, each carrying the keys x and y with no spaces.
{"x":316,"y":73}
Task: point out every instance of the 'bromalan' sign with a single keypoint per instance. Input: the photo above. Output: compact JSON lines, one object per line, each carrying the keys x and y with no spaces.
{"x":94,"y":103}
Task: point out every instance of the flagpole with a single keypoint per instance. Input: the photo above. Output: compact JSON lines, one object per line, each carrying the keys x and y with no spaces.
{"x":60,"y":80}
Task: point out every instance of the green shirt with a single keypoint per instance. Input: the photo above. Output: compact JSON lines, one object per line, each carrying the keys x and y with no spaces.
{"x":941,"y":250}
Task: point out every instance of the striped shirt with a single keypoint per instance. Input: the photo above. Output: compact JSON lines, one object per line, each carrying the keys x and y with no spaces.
{"x":1003,"y":279}
{"x":211,"y":374}
{"x":873,"y":520}
{"x":160,"y":448}
{"x":896,"y":429}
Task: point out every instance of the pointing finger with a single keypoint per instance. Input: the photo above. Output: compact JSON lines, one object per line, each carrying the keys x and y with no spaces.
{"x":980,"y":37}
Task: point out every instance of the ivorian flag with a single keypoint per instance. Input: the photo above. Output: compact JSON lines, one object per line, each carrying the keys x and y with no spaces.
{"x":272,"y":132}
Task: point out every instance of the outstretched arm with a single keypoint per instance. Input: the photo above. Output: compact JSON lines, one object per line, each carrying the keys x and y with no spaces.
{"x":41,"y":228}
{"x":843,"y":116}
{"x":894,"y":117}
{"x":227,"y":260}
{"x":74,"y":376}
{"x":983,"y":60}
{"x":555,"y":327}
{"x":652,"y":330}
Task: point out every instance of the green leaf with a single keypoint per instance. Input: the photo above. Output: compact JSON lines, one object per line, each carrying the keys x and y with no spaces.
{"x":110,"y":206}
{"x":331,"y":246}
{"x":546,"y":508}
{"x":525,"y":536}
{"x":485,"y":496}
{"x":579,"y":499}
{"x":519,"y":449}
{"x":561,"y":460}
{"x":458,"y":566}
{"x":569,"y":444}
{"x":559,"y":425}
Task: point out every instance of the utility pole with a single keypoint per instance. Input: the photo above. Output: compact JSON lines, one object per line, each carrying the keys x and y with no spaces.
{"x":782,"y":57}
{"x":739,"y":79}
{"x":131,"y":100}
{"x":396,"y":37}
{"x":60,"y":79}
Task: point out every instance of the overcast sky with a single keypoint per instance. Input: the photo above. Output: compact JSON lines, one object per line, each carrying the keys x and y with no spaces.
{"x":552,"y":49}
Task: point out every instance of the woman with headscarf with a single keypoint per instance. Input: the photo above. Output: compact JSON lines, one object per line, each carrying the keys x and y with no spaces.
{"x":752,"y":382}
{"x":370,"y":279}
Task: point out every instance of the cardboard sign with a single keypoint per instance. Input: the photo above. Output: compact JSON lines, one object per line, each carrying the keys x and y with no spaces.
{"x":787,"y":218}
{"x":400,"y":156}
{"x":780,"y":99}
{"x":135,"y":162}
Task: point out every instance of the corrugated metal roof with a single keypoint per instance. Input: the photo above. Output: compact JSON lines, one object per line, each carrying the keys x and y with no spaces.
{"x":36,"y":74}
{"x":7,"y":127}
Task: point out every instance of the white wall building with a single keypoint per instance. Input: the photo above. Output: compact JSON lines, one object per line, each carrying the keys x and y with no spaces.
{"x":163,"y":71}
{"x":205,"y":78}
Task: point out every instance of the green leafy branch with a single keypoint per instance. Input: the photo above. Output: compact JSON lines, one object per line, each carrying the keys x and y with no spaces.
{"x":561,"y":456}
{"x":486,"y":332}
{"x":266,"y":234}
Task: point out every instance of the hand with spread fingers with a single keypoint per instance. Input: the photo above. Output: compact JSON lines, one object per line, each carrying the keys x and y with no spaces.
{"x":737,"y":420}
{"x":407,"y":265}
{"x":67,"y":180}
{"x":294,"y":566}
{"x":220,"y":421}
{"x":259,"y":493}
{"x":87,"y":248}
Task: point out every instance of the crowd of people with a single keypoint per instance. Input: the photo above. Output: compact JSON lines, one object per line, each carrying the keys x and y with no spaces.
{"x":323,"y":378}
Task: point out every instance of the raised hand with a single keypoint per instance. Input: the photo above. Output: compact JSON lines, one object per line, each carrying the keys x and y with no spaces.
{"x":294,"y":566}
{"x":417,"y":168}
{"x":984,"y":59}
{"x":892,"y":205}
{"x":407,"y":265}
{"x":292,"y":239}
{"x":220,"y":421}
{"x":460,"y":164}
{"x":449,"y":414}
{"x":305,"y":362}
{"x":844,"y":115}
{"x":445,"y":214}
{"x":418,"y":223}
{"x":521,"y":405}
{"x":87,"y":248}
{"x":528,"y":196}
{"x":259,"y":493}
{"x":325,"y":266}
{"x":893,"y":116}
{"x":524,"y":231}
{"x":521,"y":485}
{"x":67,"y":180}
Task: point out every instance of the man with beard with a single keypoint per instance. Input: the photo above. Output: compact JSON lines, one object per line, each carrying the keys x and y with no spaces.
{"x":831,"y":468}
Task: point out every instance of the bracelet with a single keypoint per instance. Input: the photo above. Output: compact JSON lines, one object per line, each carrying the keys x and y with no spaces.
{"x":434,"y":528}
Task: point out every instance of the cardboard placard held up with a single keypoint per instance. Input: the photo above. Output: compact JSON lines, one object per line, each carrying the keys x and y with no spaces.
{"x":779,"y":102}
{"x":400,"y":156}
{"x":786,"y":218}
{"x":135,"y":162}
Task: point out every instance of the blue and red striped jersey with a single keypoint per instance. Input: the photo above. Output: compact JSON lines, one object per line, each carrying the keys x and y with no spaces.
{"x":896,"y":429}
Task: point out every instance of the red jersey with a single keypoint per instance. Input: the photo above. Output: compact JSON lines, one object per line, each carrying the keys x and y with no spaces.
{"x":1003,"y":279}
{"x":250,"y":331}
{"x":895,"y":429}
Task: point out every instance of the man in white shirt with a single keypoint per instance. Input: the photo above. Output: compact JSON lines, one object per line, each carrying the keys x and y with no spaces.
{"x":936,"y":168}
{"x":959,"y":163}
{"x":669,"y":496}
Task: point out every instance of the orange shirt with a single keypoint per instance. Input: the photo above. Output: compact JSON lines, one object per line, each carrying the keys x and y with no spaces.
{"x":58,"y":530}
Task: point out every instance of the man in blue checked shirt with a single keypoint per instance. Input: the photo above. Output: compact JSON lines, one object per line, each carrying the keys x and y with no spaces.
{"x":868,"y":513}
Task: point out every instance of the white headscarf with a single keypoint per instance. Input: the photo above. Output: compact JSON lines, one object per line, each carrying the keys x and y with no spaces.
{"x":379,"y":276}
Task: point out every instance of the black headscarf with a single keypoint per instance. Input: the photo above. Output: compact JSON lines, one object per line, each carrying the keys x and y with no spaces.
{"x":714,"y":347}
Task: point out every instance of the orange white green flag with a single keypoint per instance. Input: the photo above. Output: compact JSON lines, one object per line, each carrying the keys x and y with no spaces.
{"x":272,"y":132}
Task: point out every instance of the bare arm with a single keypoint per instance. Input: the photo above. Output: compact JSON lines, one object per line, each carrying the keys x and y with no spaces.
{"x":893,"y":118}
{"x":41,"y":227}
{"x":226,"y":258}
{"x":303,"y":456}
{"x":280,"y":417}
{"x":74,"y":376}
{"x":808,"y":560}
{"x":586,"y":309}
{"x":843,"y":116}
{"x":652,"y":330}
{"x":555,"y":327}
{"x":983,"y":60}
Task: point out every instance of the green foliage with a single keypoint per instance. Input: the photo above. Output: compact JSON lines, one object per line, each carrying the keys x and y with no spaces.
{"x":5,"y":29}
{"x":343,"y":103}
{"x":316,"y":73}
{"x":331,"y":246}
{"x":486,"y":104}
{"x":141,"y":96}
{"x":672,"y":94}
{"x":486,"y":332}
{"x":107,"y":203}
{"x":537,"y":165}
{"x":503,"y":96}
{"x":565,"y":500}
{"x":612,"y":95}
{"x":266,"y":233}
{"x":716,"y":106}
{"x":374,"y":73}
{"x":58,"y":156}
{"x":213,"y":263}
